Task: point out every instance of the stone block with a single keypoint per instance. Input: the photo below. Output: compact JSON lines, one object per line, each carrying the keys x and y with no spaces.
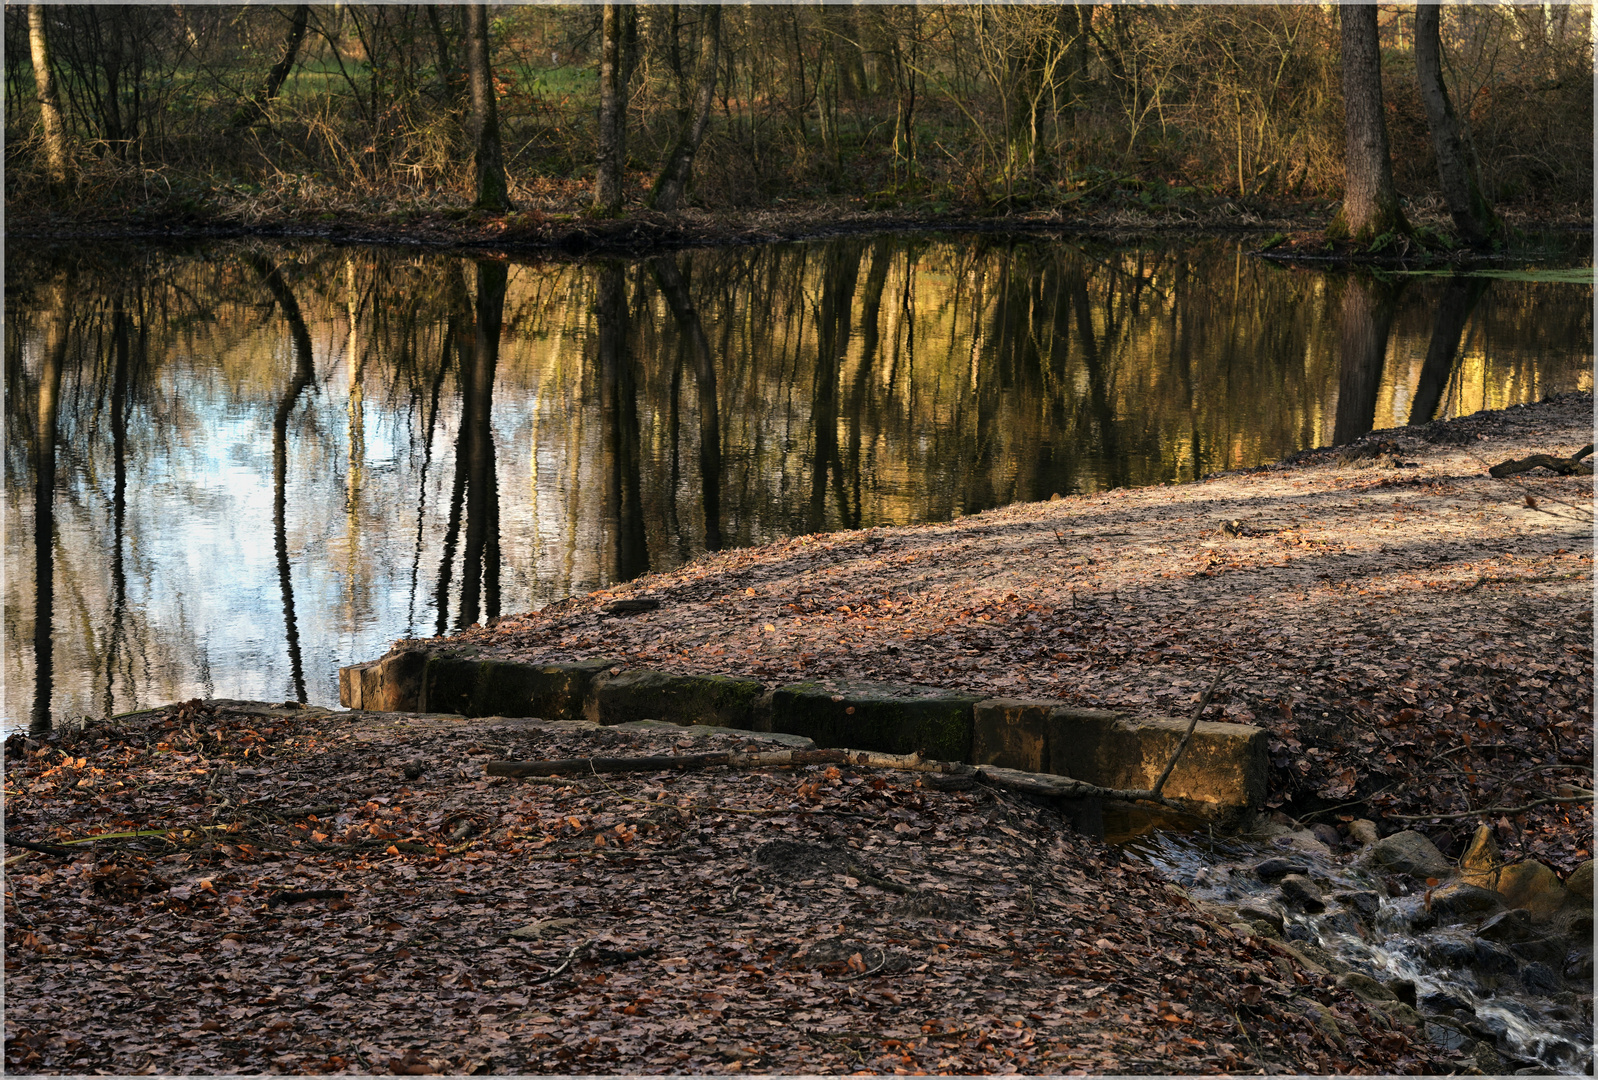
{"x":1224,"y":764}
{"x":391,"y":684}
{"x":1028,"y":735}
{"x":474,"y":687}
{"x":1579,"y":884}
{"x":1409,"y":852}
{"x":877,"y":716}
{"x":1532,"y":886}
{"x":641,"y":694}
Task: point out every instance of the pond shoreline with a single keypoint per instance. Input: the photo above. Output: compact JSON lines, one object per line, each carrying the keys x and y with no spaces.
{"x":642,"y":231}
{"x":1371,"y":606}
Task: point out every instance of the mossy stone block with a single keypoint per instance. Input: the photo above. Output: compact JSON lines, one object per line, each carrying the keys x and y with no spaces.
{"x":641,"y":694}
{"x":877,"y":716}
{"x":474,"y":687}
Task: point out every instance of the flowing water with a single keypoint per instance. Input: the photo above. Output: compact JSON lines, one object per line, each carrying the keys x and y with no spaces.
{"x":232,"y":469}
{"x":1531,"y":1008}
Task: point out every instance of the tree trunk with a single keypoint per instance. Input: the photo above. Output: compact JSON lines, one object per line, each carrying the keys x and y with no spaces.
{"x":254,"y":109}
{"x":55,"y":130}
{"x":612,"y":114}
{"x":673,"y":179}
{"x":1473,"y":214}
{"x":1370,"y":204}
{"x":449,"y":75}
{"x":493,"y":190}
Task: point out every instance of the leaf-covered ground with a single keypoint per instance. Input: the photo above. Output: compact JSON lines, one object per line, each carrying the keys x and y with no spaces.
{"x":810,"y":920}
{"x":1415,"y":635}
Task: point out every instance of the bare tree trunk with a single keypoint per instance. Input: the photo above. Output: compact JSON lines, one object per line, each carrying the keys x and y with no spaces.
{"x":1370,"y":203}
{"x":673,"y":179}
{"x":493,"y":190}
{"x":449,"y":75}
{"x":255,"y":108}
{"x":1473,"y":214}
{"x":55,"y":130}
{"x":612,"y":114}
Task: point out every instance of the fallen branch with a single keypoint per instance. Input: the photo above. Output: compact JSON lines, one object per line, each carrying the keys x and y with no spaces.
{"x":1570,"y":466}
{"x":46,"y":849}
{"x":1204,"y":703}
{"x":683,"y":762}
{"x":1552,"y":799}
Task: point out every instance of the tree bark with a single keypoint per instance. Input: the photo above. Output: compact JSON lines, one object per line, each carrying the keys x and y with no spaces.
{"x":674,"y":175}
{"x":1370,"y":203}
{"x":612,"y":114}
{"x":55,"y":130}
{"x":493,"y":190}
{"x":1472,"y":213}
{"x":255,"y":108}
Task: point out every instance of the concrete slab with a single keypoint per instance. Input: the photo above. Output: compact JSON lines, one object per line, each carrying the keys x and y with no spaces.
{"x":877,"y":716}
{"x":475,"y":687}
{"x":641,"y":694}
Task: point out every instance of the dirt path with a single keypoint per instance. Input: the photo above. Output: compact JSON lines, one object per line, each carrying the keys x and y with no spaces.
{"x":1415,"y":635}
{"x":298,"y":891}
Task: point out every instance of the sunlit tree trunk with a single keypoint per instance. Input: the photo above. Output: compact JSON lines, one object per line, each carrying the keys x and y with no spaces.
{"x":674,"y":175}
{"x":55,"y":131}
{"x":1456,"y":172}
{"x":1370,"y":203}
{"x":493,"y":190}
{"x":255,"y":108}
{"x":612,"y":112}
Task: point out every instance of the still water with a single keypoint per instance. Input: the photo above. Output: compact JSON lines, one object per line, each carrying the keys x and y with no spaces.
{"x":232,"y":469}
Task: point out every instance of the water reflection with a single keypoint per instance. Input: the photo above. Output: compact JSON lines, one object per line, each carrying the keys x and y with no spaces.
{"x":430,"y":440}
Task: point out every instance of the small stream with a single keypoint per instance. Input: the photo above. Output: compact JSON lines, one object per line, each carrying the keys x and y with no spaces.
{"x":1525,"y":993}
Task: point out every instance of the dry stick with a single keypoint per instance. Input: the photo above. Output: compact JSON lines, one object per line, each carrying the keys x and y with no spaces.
{"x":1192,"y":723}
{"x":1554,"y":799}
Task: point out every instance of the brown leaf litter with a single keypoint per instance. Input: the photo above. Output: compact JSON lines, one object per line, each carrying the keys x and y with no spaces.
{"x":1415,"y":635}
{"x":256,"y":889}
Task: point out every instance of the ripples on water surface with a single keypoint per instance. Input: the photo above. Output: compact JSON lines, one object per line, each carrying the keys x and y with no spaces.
{"x":269,"y":461}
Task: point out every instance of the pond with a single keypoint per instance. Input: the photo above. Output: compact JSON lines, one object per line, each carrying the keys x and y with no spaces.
{"x":232,"y":469}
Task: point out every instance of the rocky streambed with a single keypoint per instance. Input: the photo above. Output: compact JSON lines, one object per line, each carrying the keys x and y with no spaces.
{"x":1484,"y":957}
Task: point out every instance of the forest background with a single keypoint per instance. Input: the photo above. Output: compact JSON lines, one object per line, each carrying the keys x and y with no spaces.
{"x":261,"y":115}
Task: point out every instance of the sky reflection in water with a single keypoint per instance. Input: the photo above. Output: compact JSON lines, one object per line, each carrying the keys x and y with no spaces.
{"x":270,"y":461}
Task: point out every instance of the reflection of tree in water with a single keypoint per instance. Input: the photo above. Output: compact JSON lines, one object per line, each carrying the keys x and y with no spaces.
{"x":1453,"y":311}
{"x":44,"y":449}
{"x":626,"y":551}
{"x":300,"y":344}
{"x":716,"y":399}
{"x":1364,"y":322}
